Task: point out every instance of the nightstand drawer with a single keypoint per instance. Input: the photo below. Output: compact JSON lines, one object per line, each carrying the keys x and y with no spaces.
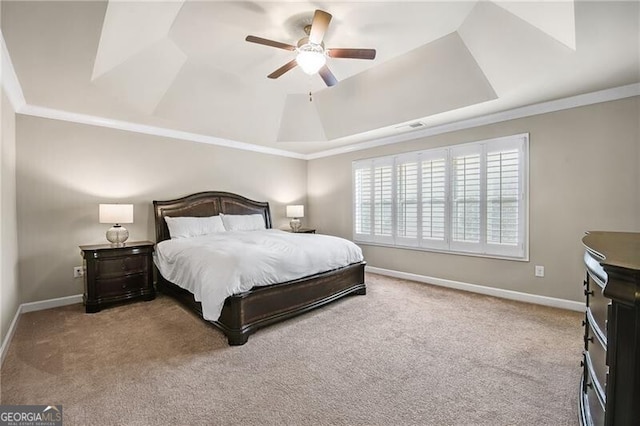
{"x":118,"y":286}
{"x":121,"y":265}
{"x":117,"y":274}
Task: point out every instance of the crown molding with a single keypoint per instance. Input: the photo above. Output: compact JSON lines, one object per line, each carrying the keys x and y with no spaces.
{"x":93,"y":120}
{"x":12,"y":86}
{"x":606,"y":95}
{"x":10,"y":82}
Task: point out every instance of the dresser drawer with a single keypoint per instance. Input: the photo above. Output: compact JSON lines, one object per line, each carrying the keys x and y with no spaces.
{"x":597,"y":368}
{"x":598,"y":305}
{"x":595,"y":409}
{"x":592,"y":405}
{"x":119,"y":266}
{"x":119,"y":286}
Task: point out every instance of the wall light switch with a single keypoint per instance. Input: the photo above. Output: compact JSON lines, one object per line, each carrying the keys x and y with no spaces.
{"x":539,"y":271}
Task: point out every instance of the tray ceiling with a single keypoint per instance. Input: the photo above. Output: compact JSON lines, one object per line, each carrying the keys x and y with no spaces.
{"x":184,"y":65}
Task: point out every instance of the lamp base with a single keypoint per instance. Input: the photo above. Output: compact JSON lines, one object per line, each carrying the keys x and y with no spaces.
{"x":117,"y":235}
{"x":295,"y":224}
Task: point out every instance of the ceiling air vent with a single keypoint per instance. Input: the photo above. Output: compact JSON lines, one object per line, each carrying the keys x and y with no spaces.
{"x":411,"y":126}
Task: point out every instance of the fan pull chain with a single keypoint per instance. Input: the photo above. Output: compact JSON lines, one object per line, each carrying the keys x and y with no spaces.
{"x":310,"y":97}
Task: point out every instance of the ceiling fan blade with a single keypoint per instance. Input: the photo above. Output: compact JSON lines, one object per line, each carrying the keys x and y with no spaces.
{"x":267,"y":42}
{"x":319,"y":26}
{"x":352,"y":53}
{"x":286,"y":67}
{"x":327,"y":76}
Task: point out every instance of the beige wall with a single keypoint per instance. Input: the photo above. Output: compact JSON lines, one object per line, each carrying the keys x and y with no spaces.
{"x":9,"y":291}
{"x":64,"y":170}
{"x":583,"y":176}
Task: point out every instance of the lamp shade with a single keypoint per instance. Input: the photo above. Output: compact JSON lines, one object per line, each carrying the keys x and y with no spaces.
{"x":295,"y":211}
{"x":116,"y":213}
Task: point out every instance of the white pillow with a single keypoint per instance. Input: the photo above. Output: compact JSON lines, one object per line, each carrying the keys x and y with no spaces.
{"x":243,"y":222}
{"x":184,"y":227}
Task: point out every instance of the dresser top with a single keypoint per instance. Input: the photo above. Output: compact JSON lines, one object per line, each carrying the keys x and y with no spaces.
{"x":621,"y":249}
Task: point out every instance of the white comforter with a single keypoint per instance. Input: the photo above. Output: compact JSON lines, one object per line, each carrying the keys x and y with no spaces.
{"x":215,"y":266}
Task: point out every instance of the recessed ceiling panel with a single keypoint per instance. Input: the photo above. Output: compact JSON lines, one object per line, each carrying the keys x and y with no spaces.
{"x":300,"y":120}
{"x":218,"y":103}
{"x":143,"y":79}
{"x":520,"y":60}
{"x":555,"y":18}
{"x":436,"y":77}
{"x":130,"y":27}
{"x":52,"y":47}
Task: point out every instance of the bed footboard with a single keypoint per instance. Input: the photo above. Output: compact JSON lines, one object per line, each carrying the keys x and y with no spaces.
{"x":247,"y":312}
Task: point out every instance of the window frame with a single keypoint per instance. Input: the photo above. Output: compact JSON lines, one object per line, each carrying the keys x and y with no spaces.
{"x":483,"y":248}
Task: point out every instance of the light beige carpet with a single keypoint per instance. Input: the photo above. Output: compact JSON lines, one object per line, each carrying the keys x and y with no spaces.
{"x":404,"y":354}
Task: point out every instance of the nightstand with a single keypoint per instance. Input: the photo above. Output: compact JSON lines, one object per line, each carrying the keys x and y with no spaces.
{"x":302,"y":231}
{"x":117,"y":274}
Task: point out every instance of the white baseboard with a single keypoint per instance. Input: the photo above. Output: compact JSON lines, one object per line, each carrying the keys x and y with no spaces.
{"x":490,"y":291}
{"x":31,"y":307}
{"x":9,"y":336}
{"x":51,"y":303}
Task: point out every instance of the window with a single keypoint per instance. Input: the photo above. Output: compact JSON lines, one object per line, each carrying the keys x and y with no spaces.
{"x":469,"y":198}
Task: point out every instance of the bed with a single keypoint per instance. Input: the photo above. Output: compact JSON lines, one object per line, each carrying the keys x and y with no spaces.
{"x":244,"y":313}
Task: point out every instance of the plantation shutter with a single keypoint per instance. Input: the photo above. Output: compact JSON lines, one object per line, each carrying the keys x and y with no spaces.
{"x":469,"y":198}
{"x":363,"y":200}
{"x":434,"y":197}
{"x":466,"y":198}
{"x":505,"y":198}
{"x":502,"y":197}
{"x":383,"y":200}
{"x":407,"y":193}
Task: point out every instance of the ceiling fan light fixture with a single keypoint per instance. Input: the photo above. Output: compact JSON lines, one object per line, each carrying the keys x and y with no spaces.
{"x":311,"y":58}
{"x":311,"y":55}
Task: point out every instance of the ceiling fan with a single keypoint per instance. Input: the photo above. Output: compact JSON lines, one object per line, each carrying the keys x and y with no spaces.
{"x":311,"y":53}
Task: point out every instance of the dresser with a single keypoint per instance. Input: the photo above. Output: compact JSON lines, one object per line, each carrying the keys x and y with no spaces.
{"x":117,"y":274}
{"x":610,"y":385}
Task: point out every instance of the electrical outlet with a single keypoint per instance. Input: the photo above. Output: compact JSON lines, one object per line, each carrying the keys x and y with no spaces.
{"x":539,"y":271}
{"x":78,"y":271}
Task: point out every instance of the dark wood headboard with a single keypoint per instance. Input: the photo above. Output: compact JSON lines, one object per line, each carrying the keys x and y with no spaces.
{"x":203,"y":204}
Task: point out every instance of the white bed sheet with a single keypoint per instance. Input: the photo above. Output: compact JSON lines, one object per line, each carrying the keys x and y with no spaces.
{"x":213,"y":267}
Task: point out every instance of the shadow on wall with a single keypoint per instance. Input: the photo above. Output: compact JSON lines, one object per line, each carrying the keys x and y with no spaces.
{"x":58,"y":206}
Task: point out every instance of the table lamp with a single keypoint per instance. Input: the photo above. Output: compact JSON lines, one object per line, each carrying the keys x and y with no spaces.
{"x":295,"y":212}
{"x":116,"y":214}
